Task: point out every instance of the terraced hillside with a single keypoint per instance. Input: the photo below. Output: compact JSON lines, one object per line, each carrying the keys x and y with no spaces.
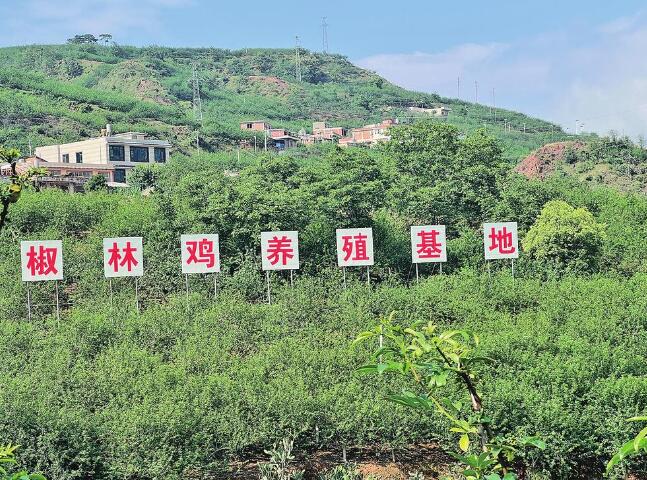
{"x":51,"y":93}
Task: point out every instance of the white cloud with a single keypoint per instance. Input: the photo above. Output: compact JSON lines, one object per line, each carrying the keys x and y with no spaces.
{"x":595,"y":75}
{"x":56,"y":20}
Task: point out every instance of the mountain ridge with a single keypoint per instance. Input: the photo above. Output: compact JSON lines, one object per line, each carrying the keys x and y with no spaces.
{"x":56,"y":93}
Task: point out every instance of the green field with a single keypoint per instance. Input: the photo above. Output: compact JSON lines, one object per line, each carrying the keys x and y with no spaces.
{"x":183,"y":391}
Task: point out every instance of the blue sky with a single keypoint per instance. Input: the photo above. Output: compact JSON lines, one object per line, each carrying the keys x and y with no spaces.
{"x":563,"y":61}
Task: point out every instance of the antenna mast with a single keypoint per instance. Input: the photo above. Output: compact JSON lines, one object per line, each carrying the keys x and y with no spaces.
{"x":297,"y":59}
{"x":324,"y":35}
{"x":197,"y":102}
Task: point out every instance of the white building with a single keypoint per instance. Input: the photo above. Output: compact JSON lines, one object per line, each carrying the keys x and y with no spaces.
{"x":114,"y":153}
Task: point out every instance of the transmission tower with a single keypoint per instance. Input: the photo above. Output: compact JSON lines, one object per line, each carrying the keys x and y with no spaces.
{"x":197,"y":101}
{"x":324,"y":35}
{"x":297,"y":59}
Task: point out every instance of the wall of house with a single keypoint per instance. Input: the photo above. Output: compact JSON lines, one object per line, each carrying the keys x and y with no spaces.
{"x":94,"y":151}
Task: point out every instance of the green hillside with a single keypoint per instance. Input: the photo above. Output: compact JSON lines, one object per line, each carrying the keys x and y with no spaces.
{"x":52,"y":93}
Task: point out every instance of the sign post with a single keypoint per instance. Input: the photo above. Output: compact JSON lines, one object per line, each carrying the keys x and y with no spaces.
{"x":428,"y":245}
{"x":124,"y":257}
{"x":200,"y":254}
{"x":279,"y":251}
{"x":501,"y":241}
{"x":42,"y":261}
{"x":355,"y":249}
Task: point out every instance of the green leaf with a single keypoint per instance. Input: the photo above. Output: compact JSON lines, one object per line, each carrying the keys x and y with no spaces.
{"x":464,"y":442}
{"x":493,"y":476}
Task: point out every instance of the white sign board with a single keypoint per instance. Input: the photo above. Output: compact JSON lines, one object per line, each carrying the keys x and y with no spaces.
{"x":354,"y":247}
{"x":500,"y":240}
{"x":41,"y":260}
{"x":280,"y":250}
{"x":200,"y":253}
{"x":123,"y":257}
{"x":428,"y":244}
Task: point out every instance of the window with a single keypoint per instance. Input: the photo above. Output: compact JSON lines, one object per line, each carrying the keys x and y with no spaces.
{"x":79,"y":157}
{"x":139,"y":154}
{"x":116,"y":153}
{"x":66,"y":158}
{"x":120,"y":175}
{"x":249,"y":125}
{"x":160,"y":155}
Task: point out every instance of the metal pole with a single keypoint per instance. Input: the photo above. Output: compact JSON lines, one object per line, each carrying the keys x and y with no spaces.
{"x":513,"y":269}
{"x":111,"y":295}
{"x":292,"y":278}
{"x":368,"y":275}
{"x":441,"y":268}
{"x":137,"y":295}
{"x":417,"y":274}
{"x":186,"y":284}
{"x":58,"y":306}
{"x":269,"y":294}
{"x":344,"y":270}
{"x":215,"y":285}
{"x":28,"y":302}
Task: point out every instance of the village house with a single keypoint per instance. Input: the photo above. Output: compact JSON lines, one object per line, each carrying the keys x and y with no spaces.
{"x":369,"y":134}
{"x":255,"y":125}
{"x":438,"y":111}
{"x":278,"y":139}
{"x":111,"y":155}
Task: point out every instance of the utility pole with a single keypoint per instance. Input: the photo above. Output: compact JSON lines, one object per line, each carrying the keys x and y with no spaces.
{"x":476,"y":91}
{"x":197,"y":103}
{"x":458,"y":88}
{"x":297,"y":59}
{"x":576,"y":126}
{"x":494,"y":105}
{"x":324,"y":35}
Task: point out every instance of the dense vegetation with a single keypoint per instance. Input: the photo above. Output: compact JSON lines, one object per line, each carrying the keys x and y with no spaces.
{"x":51,"y":93}
{"x":613,"y":160}
{"x":177,"y":392}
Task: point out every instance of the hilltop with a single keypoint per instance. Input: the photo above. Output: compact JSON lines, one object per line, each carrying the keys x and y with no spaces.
{"x":613,"y":161}
{"x":54,"y":93}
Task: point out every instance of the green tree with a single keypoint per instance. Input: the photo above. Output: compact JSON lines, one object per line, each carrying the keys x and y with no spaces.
{"x":565,"y":238}
{"x":86,"y":38}
{"x":105,"y":38}
{"x":96,"y":183}
{"x":10,"y":191}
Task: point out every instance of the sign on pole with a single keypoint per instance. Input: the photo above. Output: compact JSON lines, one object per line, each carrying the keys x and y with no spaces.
{"x":200,"y":253}
{"x":355,"y":247}
{"x":280,"y":250}
{"x":123,"y":257}
{"x":500,"y":240}
{"x":428,"y":244}
{"x":41,"y":260}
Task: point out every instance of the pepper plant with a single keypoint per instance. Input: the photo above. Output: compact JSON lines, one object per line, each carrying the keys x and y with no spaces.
{"x":432,"y":359}
{"x":7,"y":458}
{"x":633,"y":447}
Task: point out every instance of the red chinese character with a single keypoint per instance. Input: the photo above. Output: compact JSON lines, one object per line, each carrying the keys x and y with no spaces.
{"x":201,"y":252}
{"x":355,"y":244}
{"x":501,"y":240}
{"x":43,"y":262}
{"x":429,"y":246}
{"x":117,"y":260}
{"x":279,"y":247}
